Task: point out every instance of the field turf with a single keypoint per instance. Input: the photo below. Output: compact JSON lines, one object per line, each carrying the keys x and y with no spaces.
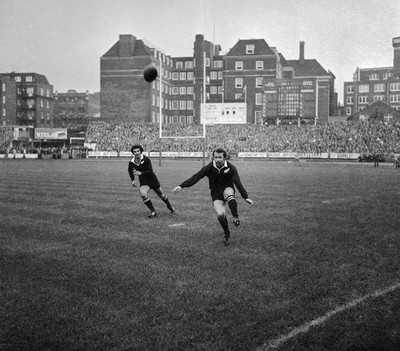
{"x":314,"y":266}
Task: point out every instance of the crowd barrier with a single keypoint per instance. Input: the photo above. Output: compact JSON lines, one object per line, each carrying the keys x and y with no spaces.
{"x":261,"y":155}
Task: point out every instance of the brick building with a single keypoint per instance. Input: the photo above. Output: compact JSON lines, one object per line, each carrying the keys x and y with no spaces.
{"x":303,"y":88}
{"x":26,"y":100}
{"x":370,"y":85}
{"x":73,"y":109}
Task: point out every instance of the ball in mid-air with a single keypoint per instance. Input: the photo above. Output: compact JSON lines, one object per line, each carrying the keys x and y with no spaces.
{"x":150,"y":73}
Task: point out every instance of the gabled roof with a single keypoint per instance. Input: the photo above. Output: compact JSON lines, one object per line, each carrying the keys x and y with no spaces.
{"x":307,"y":68}
{"x":114,"y":51}
{"x":260,"y":45}
{"x":139,"y":48}
{"x":378,"y":109}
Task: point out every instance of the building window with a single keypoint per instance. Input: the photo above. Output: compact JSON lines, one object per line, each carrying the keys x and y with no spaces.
{"x":364,"y":88}
{"x":213,"y":90}
{"x":28,"y":79}
{"x":4,"y":112}
{"x":207,"y":62}
{"x":175,"y":91}
{"x":189,"y":76}
{"x":238,"y":96}
{"x":259,"y":65}
{"x":179,"y":65}
{"x":189,"y":90}
{"x":47,"y":104}
{"x":214,"y":75}
{"x":175,"y":76}
{"x":394,"y":98}
{"x":220,"y":90}
{"x":17,"y":78}
{"x":259,"y":81}
{"x":182,"y":90}
{"x":29,"y":91}
{"x":379,"y":97}
{"x":238,"y":82}
{"x":363,"y":99}
{"x":379,"y":87}
{"x":189,"y":105}
{"x":4,"y":99}
{"x":182,"y":105}
{"x":387,"y":117}
{"x":182,"y":76}
{"x":374,"y":76}
{"x":350,"y":100}
{"x":220,"y":75}
{"x":258,"y":98}
{"x":363,"y":118}
{"x":218,"y":64}
{"x":386,"y":75}
{"x":249,"y":49}
{"x":348,"y":111}
{"x":394,"y":86}
{"x":350,"y":89}
{"x":239,"y":65}
{"x":189,"y":64}
{"x":4,"y":87}
{"x":175,"y":104}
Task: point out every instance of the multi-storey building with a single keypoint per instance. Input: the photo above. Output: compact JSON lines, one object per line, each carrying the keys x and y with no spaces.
{"x":26,"y":100}
{"x":72,"y":109}
{"x":374,"y":84}
{"x":252,"y":72}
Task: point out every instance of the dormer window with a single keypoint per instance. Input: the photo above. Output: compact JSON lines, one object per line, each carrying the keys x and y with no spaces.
{"x":249,"y":49}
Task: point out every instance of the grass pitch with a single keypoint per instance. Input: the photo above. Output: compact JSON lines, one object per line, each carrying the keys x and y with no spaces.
{"x":83,"y":268}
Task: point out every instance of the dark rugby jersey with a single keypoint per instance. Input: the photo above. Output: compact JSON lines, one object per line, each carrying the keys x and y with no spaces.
{"x":148,"y":177}
{"x":219,"y":179}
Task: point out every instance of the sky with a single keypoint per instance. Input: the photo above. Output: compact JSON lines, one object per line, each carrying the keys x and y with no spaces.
{"x":64,"y":39}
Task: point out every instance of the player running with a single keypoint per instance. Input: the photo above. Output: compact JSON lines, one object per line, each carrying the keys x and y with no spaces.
{"x":140,"y":165}
{"x":223,"y":177}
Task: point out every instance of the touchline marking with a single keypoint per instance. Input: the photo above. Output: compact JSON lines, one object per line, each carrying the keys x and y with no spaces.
{"x":273,"y":344}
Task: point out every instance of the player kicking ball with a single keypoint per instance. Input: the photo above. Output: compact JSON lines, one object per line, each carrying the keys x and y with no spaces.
{"x":140,"y":166}
{"x":223,"y":177}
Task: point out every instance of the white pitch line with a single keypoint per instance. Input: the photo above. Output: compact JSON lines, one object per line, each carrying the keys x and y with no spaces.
{"x":273,"y":344}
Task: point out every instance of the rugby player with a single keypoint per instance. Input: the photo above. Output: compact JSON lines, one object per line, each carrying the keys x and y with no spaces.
{"x":140,"y":166}
{"x":223,"y":177}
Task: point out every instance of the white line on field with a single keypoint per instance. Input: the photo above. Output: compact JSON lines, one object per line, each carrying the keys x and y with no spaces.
{"x":275,"y":343}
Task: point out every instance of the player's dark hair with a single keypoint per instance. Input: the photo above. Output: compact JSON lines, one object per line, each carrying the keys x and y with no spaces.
{"x":137,"y":147}
{"x":220,"y":150}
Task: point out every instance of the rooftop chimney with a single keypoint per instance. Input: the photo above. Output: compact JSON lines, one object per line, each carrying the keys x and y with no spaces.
{"x":396,"y":53}
{"x":126,"y":44}
{"x":301,"y":58}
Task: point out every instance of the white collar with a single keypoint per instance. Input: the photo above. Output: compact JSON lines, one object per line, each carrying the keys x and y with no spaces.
{"x":215,"y":165}
{"x":141,"y":159}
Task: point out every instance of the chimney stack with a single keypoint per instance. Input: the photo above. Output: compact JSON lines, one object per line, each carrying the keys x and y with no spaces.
{"x":126,"y":44}
{"x":301,"y":58}
{"x":396,"y":53}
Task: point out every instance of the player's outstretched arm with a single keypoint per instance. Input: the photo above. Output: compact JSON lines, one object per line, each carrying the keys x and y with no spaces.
{"x":177,"y":188}
{"x":249,"y":201}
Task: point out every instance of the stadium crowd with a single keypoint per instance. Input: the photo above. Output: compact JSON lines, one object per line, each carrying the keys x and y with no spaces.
{"x":351,"y":137}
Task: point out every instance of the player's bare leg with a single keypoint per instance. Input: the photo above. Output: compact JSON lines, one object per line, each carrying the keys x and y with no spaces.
{"x":219,"y":206}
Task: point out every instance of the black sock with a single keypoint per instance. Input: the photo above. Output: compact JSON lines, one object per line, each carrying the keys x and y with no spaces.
{"x":224,"y":223}
{"x":149,"y":204}
{"x":232,"y":203}
{"x":166,"y":201}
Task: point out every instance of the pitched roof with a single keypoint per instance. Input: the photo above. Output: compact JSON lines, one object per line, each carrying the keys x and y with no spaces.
{"x":139,"y":48}
{"x":378,"y":109}
{"x":307,"y":68}
{"x":260,"y":46}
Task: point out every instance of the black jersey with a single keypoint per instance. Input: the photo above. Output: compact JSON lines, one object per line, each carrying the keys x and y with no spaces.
{"x":148,"y":177}
{"x":219,"y":178}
